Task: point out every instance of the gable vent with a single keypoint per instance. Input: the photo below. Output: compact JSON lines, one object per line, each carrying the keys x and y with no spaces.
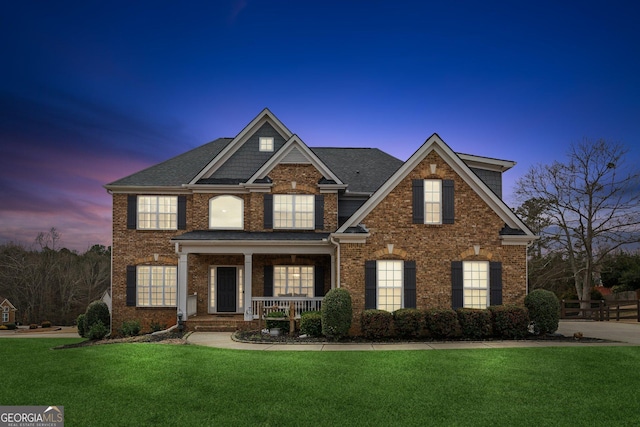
{"x":295,"y":156}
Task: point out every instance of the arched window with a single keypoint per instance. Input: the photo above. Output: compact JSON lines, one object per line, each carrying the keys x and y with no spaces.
{"x":226,"y":213}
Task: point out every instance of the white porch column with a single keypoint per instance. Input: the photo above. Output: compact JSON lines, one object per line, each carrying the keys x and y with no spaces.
{"x":183,"y":267}
{"x":248,"y":270}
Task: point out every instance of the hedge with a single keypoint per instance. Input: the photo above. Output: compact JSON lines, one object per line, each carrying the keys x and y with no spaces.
{"x":376,"y":324}
{"x":442,"y":323}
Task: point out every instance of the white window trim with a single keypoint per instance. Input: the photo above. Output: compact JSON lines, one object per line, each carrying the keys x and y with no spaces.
{"x":213,"y":288}
{"x":293,"y":212}
{"x":266,"y":144}
{"x":164,"y":292}
{"x":287,"y":275}
{"x":173,"y":215}
{"x":465,"y":282}
{"x":426,"y":211}
{"x":378,"y":287}
{"x":212,"y":225}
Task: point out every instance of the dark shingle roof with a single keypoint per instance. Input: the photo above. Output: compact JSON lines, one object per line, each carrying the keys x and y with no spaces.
{"x":364,"y":169}
{"x":251,"y":235}
{"x":177,"y":170}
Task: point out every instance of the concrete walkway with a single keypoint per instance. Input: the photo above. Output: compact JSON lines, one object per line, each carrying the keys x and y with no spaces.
{"x":622,"y":333}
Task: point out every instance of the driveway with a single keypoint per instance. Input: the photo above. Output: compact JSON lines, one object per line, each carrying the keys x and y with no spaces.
{"x":617,"y":331}
{"x":53,"y":332}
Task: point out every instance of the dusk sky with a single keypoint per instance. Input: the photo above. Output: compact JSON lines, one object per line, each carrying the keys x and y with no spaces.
{"x":93,"y":91}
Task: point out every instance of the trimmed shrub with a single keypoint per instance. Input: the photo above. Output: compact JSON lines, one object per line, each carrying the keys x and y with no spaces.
{"x":509,"y":321}
{"x":376,"y":324}
{"x":336,"y":313}
{"x":408,"y":322}
{"x":97,"y":331}
{"x":156,"y":327}
{"x":311,"y":323}
{"x":283,"y":325}
{"x":82,"y":325}
{"x":442,"y":323}
{"x":97,"y":311}
{"x":475,"y":323}
{"x":46,"y":324}
{"x":3,"y":327}
{"x":33,"y":326}
{"x":130,"y":328}
{"x":544,"y":311}
{"x":11,"y":326}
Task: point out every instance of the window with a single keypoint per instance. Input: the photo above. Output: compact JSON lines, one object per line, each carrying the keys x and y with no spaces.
{"x":157,"y":212}
{"x":5,"y":315}
{"x":266,"y":143}
{"x":293,"y":211}
{"x":432,"y":201}
{"x":389,"y":274}
{"x":293,"y":281}
{"x":476,"y":284}
{"x":156,"y":286}
{"x":226,"y":213}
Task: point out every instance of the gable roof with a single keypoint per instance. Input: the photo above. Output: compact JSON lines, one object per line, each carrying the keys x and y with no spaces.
{"x":435,"y":143}
{"x":6,"y":303}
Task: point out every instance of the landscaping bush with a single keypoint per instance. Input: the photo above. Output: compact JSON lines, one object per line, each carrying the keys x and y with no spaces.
{"x":156,"y":327}
{"x":283,"y":325}
{"x":376,"y":324}
{"x":97,"y":311}
{"x":97,"y":331}
{"x":544,"y":311}
{"x":11,"y":326}
{"x":336,"y":313}
{"x":311,"y":323}
{"x":3,"y":327}
{"x":408,"y":322}
{"x":475,"y":323}
{"x":442,"y":323}
{"x":509,"y":321}
{"x":33,"y":326}
{"x":82,"y":325}
{"x":130,"y":328}
{"x":46,"y":324}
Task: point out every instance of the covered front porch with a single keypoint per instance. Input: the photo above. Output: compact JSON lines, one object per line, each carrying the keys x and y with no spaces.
{"x":243,"y":275}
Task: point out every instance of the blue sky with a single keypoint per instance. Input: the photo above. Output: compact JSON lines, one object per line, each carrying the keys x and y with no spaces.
{"x":93,"y":91}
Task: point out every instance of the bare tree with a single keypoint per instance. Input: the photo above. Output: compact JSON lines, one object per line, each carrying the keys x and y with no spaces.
{"x":591,"y":205}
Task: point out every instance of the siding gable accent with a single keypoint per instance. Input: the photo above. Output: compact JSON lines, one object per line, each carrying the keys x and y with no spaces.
{"x":418,"y":201}
{"x":132,"y":211}
{"x":370,"y":285}
{"x":182,"y":212}
{"x":268,"y":280}
{"x":319,"y":212}
{"x":318,"y":281}
{"x":131,"y":286}
{"x":448,"y":201}
{"x":457,"y":285}
{"x":409,"y":284}
{"x":495,"y":283}
{"x":268,"y":211}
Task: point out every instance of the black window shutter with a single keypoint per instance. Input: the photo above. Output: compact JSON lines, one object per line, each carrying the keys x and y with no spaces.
{"x":370,"y":285}
{"x":418,"y":201}
{"x":457,"y":285}
{"x":131,"y":285}
{"x":319,"y":208}
{"x":318,"y":281}
{"x":182,"y":212}
{"x":132,"y":211}
{"x":409,"y":284}
{"x":448,"y":208}
{"x":268,"y":211}
{"x":495,"y":283}
{"x":268,"y":280}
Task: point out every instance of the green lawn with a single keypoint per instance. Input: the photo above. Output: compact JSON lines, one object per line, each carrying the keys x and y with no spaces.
{"x":159,"y":384}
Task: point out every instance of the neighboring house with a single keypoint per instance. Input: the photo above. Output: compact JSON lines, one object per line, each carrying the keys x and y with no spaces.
{"x":8,"y":311}
{"x":106,"y":298}
{"x":262,"y":220}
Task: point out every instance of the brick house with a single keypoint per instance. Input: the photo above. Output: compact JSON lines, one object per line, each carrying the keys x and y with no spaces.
{"x":240,"y":224}
{"x":8,"y":311}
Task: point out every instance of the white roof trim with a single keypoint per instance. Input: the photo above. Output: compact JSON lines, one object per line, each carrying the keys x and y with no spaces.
{"x":293,"y":143}
{"x":435,"y":143}
{"x":265,"y":116}
{"x":486,"y":163}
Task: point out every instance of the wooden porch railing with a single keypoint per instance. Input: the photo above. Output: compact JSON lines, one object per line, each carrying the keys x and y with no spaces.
{"x":300,"y":305}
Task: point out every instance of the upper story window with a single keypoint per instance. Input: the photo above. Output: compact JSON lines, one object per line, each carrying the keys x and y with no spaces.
{"x":432,"y":201}
{"x":157,"y":212}
{"x":226,"y":213}
{"x":266,"y":143}
{"x":476,"y":284}
{"x":293,"y":211}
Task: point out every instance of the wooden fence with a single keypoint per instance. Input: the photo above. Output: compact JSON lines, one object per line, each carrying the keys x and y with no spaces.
{"x":600,"y":310}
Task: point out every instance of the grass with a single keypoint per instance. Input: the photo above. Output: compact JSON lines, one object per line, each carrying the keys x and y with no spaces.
{"x":158,"y":384}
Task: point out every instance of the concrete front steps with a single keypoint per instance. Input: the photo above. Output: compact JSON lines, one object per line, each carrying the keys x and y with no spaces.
{"x":218,"y":323}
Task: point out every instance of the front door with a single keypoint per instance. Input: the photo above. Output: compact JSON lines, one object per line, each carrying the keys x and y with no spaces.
{"x":227,"y":288}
